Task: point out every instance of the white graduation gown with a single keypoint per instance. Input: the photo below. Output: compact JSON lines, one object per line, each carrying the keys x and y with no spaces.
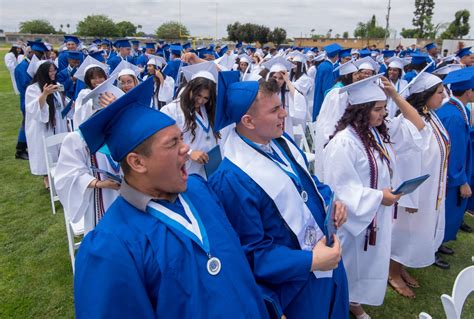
{"x":305,"y":85}
{"x":392,"y":107}
{"x":200,"y":143}
{"x":416,"y":237}
{"x":72,"y":176}
{"x":296,"y":108}
{"x":82,"y":111}
{"x":166,"y":92}
{"x":11,"y":63}
{"x":333,"y":108}
{"x":347,"y":172}
{"x":36,"y":118}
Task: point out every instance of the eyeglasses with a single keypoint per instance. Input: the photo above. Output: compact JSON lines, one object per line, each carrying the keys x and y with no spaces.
{"x":130,"y":82}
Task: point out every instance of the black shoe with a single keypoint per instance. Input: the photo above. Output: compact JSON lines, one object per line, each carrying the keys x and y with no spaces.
{"x":440,"y":262}
{"x":23,"y":155}
{"x":445,"y":250}
{"x":466,"y":228}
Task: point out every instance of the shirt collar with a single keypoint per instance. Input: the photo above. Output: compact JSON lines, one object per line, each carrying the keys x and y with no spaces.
{"x":134,"y":197}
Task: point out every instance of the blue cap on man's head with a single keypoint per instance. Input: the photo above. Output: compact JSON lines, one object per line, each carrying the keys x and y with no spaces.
{"x":419,"y":58}
{"x":234,"y":98}
{"x":461,"y":80}
{"x":332,"y":49}
{"x":150,"y":45}
{"x":430,"y":46}
{"x":124,"y":43}
{"x":71,"y":38}
{"x":187,"y":45}
{"x":74,"y":55}
{"x":463,"y":52}
{"x":345,"y":53}
{"x":388,"y":53}
{"x":126,"y":123}
{"x":135,"y":42}
{"x":37,"y":46}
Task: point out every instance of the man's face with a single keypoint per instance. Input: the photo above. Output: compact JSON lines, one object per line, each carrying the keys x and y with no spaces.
{"x":71,"y":46}
{"x":125,"y":51}
{"x":268,"y":117}
{"x":433,"y":52}
{"x":73,"y":63}
{"x":150,"y":50}
{"x":468,"y":60}
{"x":165,"y":166}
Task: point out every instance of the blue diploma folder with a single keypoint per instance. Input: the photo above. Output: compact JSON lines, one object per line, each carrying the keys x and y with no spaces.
{"x":330,"y":223}
{"x":215,"y":158}
{"x":108,"y":175}
{"x":410,"y":185}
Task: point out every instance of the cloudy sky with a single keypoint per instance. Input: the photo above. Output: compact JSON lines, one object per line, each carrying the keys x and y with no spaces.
{"x":297,"y":17}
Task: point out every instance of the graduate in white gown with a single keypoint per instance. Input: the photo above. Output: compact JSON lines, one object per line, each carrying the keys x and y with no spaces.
{"x":418,"y":228}
{"x":395,"y":74}
{"x":360,"y":166}
{"x":11,"y":61}
{"x":43,"y":105}
{"x":164,"y":85}
{"x":194,"y":113}
{"x":302,"y":82}
{"x":293,"y":101}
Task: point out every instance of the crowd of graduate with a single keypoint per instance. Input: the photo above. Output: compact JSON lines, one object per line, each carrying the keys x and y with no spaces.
{"x":169,"y":235}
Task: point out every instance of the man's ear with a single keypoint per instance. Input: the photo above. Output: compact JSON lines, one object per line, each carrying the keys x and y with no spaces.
{"x":247,"y":122}
{"x":136,"y":162}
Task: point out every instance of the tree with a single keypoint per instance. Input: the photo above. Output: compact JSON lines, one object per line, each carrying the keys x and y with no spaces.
{"x":126,"y":29}
{"x":97,"y":26}
{"x":171,"y":30}
{"x":422,"y":17}
{"x":459,"y":27}
{"x":262,"y":33}
{"x":278,"y":36}
{"x":345,"y":35}
{"x":370,"y":29}
{"x":409,"y":33}
{"x":36,"y":26}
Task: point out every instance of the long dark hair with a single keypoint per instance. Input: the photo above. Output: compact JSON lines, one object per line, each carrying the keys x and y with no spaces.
{"x":345,"y":79}
{"x":15,"y":51}
{"x":400,"y":71}
{"x":418,"y":100}
{"x":358,"y":116}
{"x":193,"y":88}
{"x":42,"y":78}
{"x":283,"y":88}
{"x":92,"y":73}
{"x":297,"y":71}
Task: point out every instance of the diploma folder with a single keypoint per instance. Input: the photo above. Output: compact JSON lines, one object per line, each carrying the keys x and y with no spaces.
{"x":215,"y":158}
{"x":330,"y":223}
{"x":410,"y":185}
{"x":108,"y":175}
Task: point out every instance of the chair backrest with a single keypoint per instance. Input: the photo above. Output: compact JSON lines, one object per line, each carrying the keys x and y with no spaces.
{"x":49,"y":142}
{"x":303,"y":143}
{"x":424,"y":315}
{"x":463,"y":286}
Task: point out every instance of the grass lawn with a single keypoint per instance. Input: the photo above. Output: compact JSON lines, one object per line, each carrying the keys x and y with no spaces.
{"x":35,"y":271}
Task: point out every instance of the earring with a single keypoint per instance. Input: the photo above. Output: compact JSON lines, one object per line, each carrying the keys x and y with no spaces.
{"x":425,"y":109}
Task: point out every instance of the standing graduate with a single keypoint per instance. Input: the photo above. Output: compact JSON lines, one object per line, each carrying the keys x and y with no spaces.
{"x":394,"y":72}
{"x":72,"y":44}
{"x":466,"y":56}
{"x":165,"y":247}
{"x":325,"y":76}
{"x":418,"y":62}
{"x":456,"y":119}
{"x":275,"y":205}
{"x":11,"y":61}
{"x":433,"y":55}
{"x":418,"y":228}
{"x":194,"y":113}
{"x":43,"y":106}
{"x":66,"y":76}
{"x":124,"y":54}
{"x":150,"y":49}
{"x":164,"y":85}
{"x":360,"y":166}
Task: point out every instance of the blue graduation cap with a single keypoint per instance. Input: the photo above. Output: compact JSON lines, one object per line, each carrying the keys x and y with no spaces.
{"x":37,"y":46}
{"x":123,"y":43}
{"x":234,"y":98}
{"x":172,"y":69}
{"x":345,"y":53}
{"x":238,"y":45}
{"x":403,"y":53}
{"x":187,"y":45}
{"x":315,"y":49}
{"x":107,"y":42}
{"x":97,"y":41}
{"x":150,"y":45}
{"x":98,"y":55}
{"x":430,"y":46}
{"x":388,"y":53}
{"x":223,"y":50}
{"x":202,"y":52}
{"x":461,"y":80}
{"x":332,"y":49}
{"x":125,"y":123}
{"x":419,"y":58}
{"x":364,"y":52}
{"x":176,"y":49}
{"x":135,"y":42}
{"x":463,"y":52}
{"x":71,"y":38}
{"x":161,"y":42}
{"x":74,"y":55}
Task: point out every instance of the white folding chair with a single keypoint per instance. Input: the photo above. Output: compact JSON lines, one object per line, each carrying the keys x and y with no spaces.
{"x":50,"y":144}
{"x":303,"y":142}
{"x":312,"y":133}
{"x":424,"y":315}
{"x":74,"y":231}
{"x":463,"y":286}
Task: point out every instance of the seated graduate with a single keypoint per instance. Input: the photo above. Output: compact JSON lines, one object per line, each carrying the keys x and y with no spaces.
{"x":275,"y":205}
{"x":165,"y":247}
{"x":360,"y":165}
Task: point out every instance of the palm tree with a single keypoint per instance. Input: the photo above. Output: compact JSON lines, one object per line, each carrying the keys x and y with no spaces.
{"x":67,"y":25}
{"x":61,"y":27}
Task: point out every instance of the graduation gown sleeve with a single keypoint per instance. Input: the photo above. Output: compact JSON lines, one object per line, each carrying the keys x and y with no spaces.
{"x":457,"y":167}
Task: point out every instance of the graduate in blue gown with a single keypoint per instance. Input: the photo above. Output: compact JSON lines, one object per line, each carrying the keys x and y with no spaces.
{"x":263,"y":203}
{"x":143,"y":59}
{"x":23,"y":80}
{"x":418,"y":63}
{"x":72,"y":44}
{"x":65,"y":77}
{"x":165,"y":247}
{"x":124,"y":53}
{"x":456,"y":119}
{"x":325,"y":77}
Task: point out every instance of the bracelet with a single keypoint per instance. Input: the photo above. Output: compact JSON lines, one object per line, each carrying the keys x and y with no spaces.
{"x":190,"y":151}
{"x":96,"y":182}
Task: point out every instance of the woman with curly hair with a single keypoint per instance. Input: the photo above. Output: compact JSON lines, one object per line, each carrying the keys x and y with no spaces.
{"x":194,"y":112}
{"x":414,"y":246}
{"x":360,"y":166}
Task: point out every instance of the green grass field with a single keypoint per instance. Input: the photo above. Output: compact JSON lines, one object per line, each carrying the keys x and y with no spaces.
{"x":35,"y":271}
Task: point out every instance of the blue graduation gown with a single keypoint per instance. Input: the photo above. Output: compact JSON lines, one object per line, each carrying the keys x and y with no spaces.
{"x":459,"y":165}
{"x":22,"y":79}
{"x":134,"y":266}
{"x":62,"y":61}
{"x":324,"y":80}
{"x":410,"y":76}
{"x":65,"y":78}
{"x":142,"y":60}
{"x":274,"y":254}
{"x":115,"y":60}
{"x":470,"y":202}
{"x":383,"y":69}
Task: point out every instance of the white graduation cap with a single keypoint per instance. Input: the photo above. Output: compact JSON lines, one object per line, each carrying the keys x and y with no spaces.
{"x":106,"y":86}
{"x":447,"y":69}
{"x":364,"y":91}
{"x":354,"y":51}
{"x":299,"y":57}
{"x":448,"y":58}
{"x":156,"y":60}
{"x":321,"y":56}
{"x":206,"y":70}
{"x":278,"y":64}
{"x":226,"y":62}
{"x":34,"y":65}
{"x":251,"y":77}
{"x":89,"y":62}
{"x":127,"y":65}
{"x":245,"y":58}
{"x":367,"y":63}
{"x":396,"y":62}
{"x":346,"y":68}
{"x":423,"y":82}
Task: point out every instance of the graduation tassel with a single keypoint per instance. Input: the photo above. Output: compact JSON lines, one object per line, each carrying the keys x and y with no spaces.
{"x":395,"y":211}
